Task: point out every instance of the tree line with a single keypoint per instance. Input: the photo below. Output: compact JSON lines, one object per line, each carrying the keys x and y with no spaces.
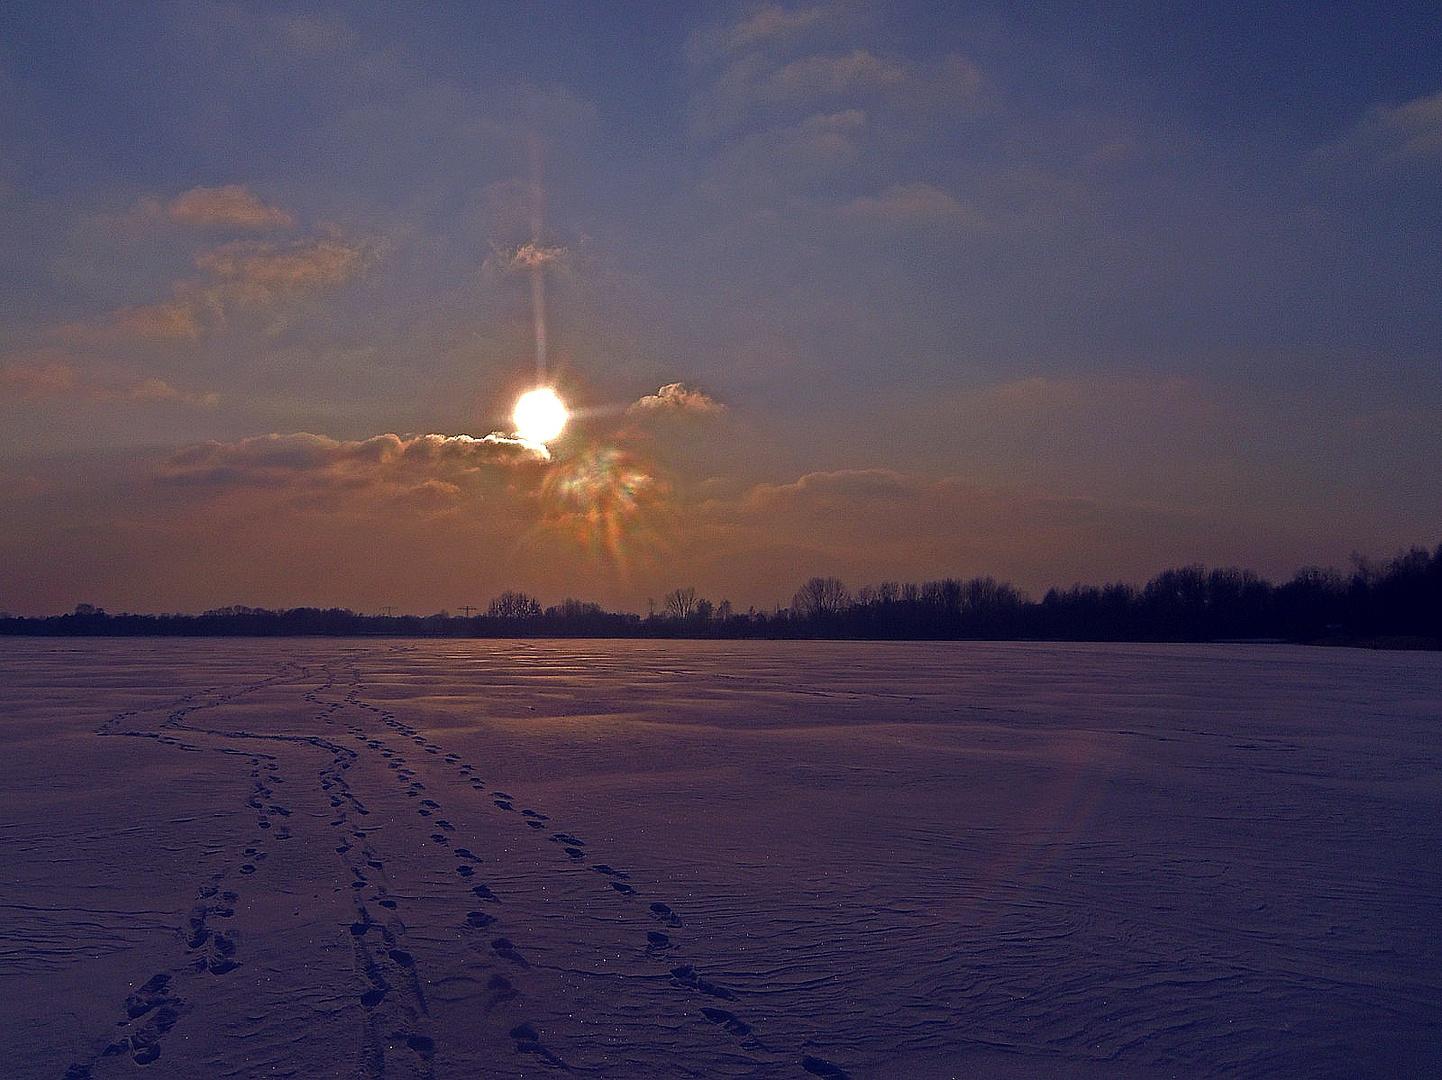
{"x":1396,"y":602}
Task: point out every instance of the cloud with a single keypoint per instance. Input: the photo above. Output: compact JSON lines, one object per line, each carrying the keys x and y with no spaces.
{"x":173,"y":320}
{"x":755,"y":92}
{"x":780,"y":166}
{"x":1416,"y":127}
{"x":817,"y":76}
{"x":807,"y":111}
{"x":231,"y":206}
{"x":418,"y":521}
{"x":766,"y":68}
{"x":910,"y":204}
{"x":1403,"y":135}
{"x":157,"y":390}
{"x":246,"y":275}
{"x":274,"y":271}
{"x":772,"y":24}
{"x":534,"y":256}
{"x":27,"y":381}
{"x":827,"y":491}
{"x":814,"y":146}
{"x":305,"y":460}
{"x":771,"y":27}
{"x":40,"y":379}
{"x":875,"y":524}
{"x":677,"y":398}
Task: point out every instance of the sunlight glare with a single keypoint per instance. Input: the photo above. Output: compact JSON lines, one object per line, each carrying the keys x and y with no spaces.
{"x":540,"y":415}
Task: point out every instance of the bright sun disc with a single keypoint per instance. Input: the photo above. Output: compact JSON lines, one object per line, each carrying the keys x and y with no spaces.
{"x":539,"y":415}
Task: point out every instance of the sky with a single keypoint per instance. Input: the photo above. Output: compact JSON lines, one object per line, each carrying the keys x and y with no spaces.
{"x":874,"y":290}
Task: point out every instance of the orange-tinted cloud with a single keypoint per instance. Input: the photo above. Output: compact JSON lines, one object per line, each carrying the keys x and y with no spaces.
{"x":172,"y":320}
{"x":34,"y":380}
{"x":231,"y":206}
{"x":273,"y":270}
{"x":870,"y":525}
{"x":245,"y":275}
{"x":302,"y":459}
{"x":153,"y":389}
{"x":26,"y":381}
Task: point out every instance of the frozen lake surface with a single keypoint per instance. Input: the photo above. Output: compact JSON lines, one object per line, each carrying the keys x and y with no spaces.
{"x":418,"y":859}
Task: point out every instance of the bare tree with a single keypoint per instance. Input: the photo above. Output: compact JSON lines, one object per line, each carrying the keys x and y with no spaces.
{"x":680,"y":603}
{"x":514,"y":605}
{"x":820,"y":598}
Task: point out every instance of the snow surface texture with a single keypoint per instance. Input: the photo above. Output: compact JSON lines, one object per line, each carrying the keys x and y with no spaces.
{"x":691,"y":859}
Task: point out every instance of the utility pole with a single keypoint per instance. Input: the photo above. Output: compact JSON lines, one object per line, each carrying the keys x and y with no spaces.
{"x":467,"y":609}
{"x":389,"y":609}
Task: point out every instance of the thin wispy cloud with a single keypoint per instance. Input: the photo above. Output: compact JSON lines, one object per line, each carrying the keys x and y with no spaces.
{"x":1401,"y":136}
{"x":230,"y":206}
{"x":770,"y":27}
{"x":246,"y":276}
{"x":828,"y":76}
{"x":916,"y":203}
{"x":27,"y":380}
{"x":42,"y":379}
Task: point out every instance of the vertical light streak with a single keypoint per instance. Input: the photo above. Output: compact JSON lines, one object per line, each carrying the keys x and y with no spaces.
{"x":538,"y":278}
{"x":538,"y":311}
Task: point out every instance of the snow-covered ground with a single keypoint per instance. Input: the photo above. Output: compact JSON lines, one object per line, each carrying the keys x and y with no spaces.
{"x":400,"y":859}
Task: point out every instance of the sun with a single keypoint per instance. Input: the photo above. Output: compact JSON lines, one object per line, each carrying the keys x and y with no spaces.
{"x":540,"y":415}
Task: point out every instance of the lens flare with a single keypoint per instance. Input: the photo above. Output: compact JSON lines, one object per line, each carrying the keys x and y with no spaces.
{"x":609,"y":503}
{"x":540,"y":415}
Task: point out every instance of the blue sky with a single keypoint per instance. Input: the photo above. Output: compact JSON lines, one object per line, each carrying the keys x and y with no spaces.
{"x":1071,"y":295}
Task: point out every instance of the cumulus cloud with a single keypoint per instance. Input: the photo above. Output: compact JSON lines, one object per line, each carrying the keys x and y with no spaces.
{"x":302,"y":459}
{"x":231,"y":206}
{"x":677,"y":398}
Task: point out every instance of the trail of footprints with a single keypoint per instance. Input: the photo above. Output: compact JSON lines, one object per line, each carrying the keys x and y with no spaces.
{"x":391,"y":995}
{"x":658,"y":942}
{"x":153,"y":1009}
